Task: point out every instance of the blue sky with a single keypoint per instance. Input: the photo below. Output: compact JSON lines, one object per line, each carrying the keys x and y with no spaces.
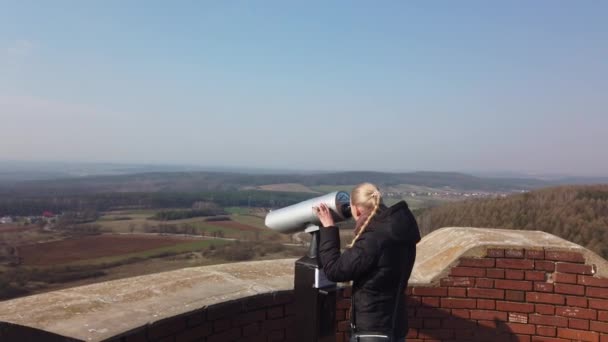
{"x":353,"y":85}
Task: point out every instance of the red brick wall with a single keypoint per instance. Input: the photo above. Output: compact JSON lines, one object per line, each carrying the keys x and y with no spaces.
{"x":267,"y":317}
{"x":508,"y":295}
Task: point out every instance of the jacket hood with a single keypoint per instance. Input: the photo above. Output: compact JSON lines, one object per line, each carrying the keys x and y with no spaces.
{"x":398,"y":222}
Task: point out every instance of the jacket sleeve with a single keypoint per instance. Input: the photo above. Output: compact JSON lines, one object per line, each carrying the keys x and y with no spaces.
{"x":350,"y":265}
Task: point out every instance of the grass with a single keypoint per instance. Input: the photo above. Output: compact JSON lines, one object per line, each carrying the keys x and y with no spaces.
{"x":332,"y":188}
{"x":152,"y":253}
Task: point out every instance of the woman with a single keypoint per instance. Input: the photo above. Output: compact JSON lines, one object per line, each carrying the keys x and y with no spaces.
{"x":379,"y":261}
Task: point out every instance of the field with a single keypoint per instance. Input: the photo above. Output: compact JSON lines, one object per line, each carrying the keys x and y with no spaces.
{"x":88,"y":249}
{"x":128,"y":243}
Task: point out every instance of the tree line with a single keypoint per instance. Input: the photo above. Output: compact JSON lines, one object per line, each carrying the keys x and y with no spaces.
{"x":26,"y":205}
{"x":575,"y":213}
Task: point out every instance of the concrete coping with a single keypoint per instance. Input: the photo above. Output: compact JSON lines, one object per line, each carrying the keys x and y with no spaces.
{"x":441,"y":249}
{"x":100,"y":311}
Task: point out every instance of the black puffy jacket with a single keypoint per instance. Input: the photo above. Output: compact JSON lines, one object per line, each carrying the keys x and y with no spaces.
{"x":382,"y":254}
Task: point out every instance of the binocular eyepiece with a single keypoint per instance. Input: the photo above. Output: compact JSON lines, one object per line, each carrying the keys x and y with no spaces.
{"x":300,"y":216}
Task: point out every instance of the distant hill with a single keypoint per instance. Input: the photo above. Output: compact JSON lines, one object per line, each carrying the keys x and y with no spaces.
{"x":218,"y":181}
{"x":575,"y":213}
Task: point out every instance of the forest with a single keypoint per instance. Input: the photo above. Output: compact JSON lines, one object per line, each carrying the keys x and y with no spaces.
{"x":575,"y":213}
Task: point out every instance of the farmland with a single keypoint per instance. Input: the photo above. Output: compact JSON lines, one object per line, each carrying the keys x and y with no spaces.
{"x":130,"y":242}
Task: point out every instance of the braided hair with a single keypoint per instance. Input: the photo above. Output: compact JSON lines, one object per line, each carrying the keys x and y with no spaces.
{"x":367,"y":197}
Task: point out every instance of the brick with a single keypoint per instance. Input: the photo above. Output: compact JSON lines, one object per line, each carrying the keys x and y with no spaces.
{"x":487,"y":324}
{"x":546,"y":331}
{"x":228,"y":335}
{"x":195,"y":319}
{"x":434,"y":313}
{"x":521,"y":285}
{"x":522,"y":338}
{"x":535,"y":254}
{"x":277,"y":335}
{"x":548,"y":339}
{"x":603,"y":337}
{"x":461,"y":313}
{"x":581,"y":324}
{"x":514,"y":274}
{"x":579,"y":335}
{"x":457,"y":303}
{"x":549,"y":320}
{"x":564,"y":256}
{"x":544,"y":309}
{"x":497,"y":273}
{"x":598,"y":304}
{"x":597,"y":292}
{"x":282,"y":323}
{"x":467,"y":272}
{"x":453,"y":323}
{"x":343,"y":303}
{"x":599,"y":326}
{"x":135,"y":337}
{"x":340,"y":315}
{"x":432,"y":323}
{"x":514,"y":307}
{"x":565,"y":278}
{"x":411,"y":334}
{"x":592,"y":281}
{"x":415,"y":323}
{"x":290,"y":309}
{"x":514,"y":253}
{"x":543,"y":287}
{"x":519,"y":328}
{"x":486,"y":293}
{"x":488,"y":315}
{"x":430,"y":301}
{"x":166,"y":328}
{"x":523,"y":264}
{"x":516,"y":317}
{"x":496,"y":253}
{"x":515,"y":296}
{"x":275,"y":312}
{"x":570,"y":289}
{"x":576,"y":312}
{"x":458,"y":281}
{"x":194,"y":334}
{"x":411,"y":301}
{"x":221,"y":325}
{"x":435,"y":334}
{"x":603,"y":315}
{"x":548,"y":298}
{"x":580,"y":302}
{"x":486,"y":304}
{"x":566,"y":267}
{"x":542,"y":265}
{"x":430,"y":291}
{"x":249,"y":317}
{"x":457,"y":292}
{"x":484,"y":283}
{"x":536,"y":275}
{"x":223,"y":310}
{"x":476,"y":262}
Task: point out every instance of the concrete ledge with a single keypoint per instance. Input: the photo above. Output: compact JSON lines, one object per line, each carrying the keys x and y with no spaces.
{"x":439,"y":251}
{"x":101,"y":311}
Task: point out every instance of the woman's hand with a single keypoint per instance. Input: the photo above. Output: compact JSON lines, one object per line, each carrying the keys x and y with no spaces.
{"x":324,"y":215}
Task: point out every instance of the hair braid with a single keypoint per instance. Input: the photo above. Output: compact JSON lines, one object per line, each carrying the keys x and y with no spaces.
{"x":377,"y":201}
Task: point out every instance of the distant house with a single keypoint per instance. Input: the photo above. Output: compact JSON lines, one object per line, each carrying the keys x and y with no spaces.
{"x":6,"y":220}
{"x":48,"y":214}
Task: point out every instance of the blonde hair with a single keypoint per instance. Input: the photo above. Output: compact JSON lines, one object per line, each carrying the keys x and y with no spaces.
{"x":367,"y":197}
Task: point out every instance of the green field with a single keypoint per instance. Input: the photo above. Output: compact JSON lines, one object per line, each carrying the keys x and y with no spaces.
{"x":153,"y":253}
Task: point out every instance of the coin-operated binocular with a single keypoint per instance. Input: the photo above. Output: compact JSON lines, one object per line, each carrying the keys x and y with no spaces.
{"x":315,"y":295}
